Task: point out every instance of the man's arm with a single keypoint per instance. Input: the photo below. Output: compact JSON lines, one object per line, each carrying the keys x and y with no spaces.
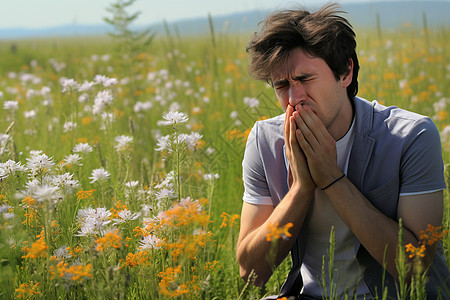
{"x":378,"y":233}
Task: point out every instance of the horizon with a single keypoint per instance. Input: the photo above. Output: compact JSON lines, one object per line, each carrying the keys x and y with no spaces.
{"x":45,"y":14}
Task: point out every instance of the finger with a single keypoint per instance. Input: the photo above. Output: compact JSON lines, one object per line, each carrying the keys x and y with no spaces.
{"x":313,"y":122}
{"x":308,"y":134}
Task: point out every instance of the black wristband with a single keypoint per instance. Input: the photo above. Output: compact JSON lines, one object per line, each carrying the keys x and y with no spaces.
{"x":333,"y":182}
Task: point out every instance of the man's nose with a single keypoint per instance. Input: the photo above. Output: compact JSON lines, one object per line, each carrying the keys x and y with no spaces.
{"x":297,"y":94}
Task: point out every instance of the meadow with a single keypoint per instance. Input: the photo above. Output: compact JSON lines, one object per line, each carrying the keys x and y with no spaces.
{"x":121,"y":173}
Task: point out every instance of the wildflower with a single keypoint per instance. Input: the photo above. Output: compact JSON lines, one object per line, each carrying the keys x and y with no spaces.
{"x":38,"y":248}
{"x":61,"y":253}
{"x":39,"y":163}
{"x":72,"y":160}
{"x":165,"y":193}
{"x":100,"y":175}
{"x":251,"y":102}
{"x":47,"y":193}
{"x":149,"y":242}
{"x":191,"y":140}
{"x":174,"y":117}
{"x":102,"y":99}
{"x":11,"y":105}
{"x":228,"y":220}
{"x":276,"y":232}
{"x":93,"y":221}
{"x":29,"y":114}
{"x":211,"y":176}
{"x":65,"y":182}
{"x":415,"y":251}
{"x":82,"y":148}
{"x":85,"y":86}
{"x":84,"y":194}
{"x":110,"y":240}
{"x":10,"y":167}
{"x":142,"y":106}
{"x":123,"y":143}
{"x":139,"y":259}
{"x":67,"y":84}
{"x":164,"y":143}
{"x":69,"y":126}
{"x":432,"y":235}
{"x":168,"y":279}
{"x":125,"y":216}
{"x":26,"y":290}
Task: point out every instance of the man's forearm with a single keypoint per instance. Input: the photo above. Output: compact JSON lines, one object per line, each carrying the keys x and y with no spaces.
{"x":376,"y":232}
{"x":255,"y":253}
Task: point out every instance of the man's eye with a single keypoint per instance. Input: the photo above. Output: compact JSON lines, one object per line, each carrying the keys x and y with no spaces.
{"x":281,"y":86}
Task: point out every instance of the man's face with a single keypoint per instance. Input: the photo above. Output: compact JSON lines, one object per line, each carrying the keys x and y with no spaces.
{"x":307,"y":80}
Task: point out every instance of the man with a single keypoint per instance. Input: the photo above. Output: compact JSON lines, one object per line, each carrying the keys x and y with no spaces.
{"x":334,"y":160}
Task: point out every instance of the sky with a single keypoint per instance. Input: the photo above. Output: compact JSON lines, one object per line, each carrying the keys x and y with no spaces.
{"x":50,"y":13}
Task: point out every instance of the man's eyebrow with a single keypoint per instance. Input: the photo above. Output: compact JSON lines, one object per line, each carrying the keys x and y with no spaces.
{"x":280,"y":82}
{"x":302,"y":77}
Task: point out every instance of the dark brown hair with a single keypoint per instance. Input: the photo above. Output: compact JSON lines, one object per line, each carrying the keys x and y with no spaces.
{"x":324,"y":34}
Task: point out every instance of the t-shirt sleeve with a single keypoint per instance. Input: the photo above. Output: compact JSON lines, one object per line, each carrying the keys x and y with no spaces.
{"x":256,"y":190}
{"x":422,"y":167}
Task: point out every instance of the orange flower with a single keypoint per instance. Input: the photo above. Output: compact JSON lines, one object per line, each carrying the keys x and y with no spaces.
{"x":110,"y":240}
{"x":276,"y":232}
{"x":84,"y":194}
{"x":168,"y":280}
{"x":432,"y":234}
{"x":38,"y":248}
{"x":415,"y":251}
{"x":138,"y":259}
{"x":26,"y":290}
{"x":229,"y":220}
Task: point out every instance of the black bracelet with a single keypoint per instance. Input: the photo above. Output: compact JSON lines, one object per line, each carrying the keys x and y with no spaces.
{"x":333,"y":182}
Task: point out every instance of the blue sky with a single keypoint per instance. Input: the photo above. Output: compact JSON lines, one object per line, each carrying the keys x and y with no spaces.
{"x":48,"y":13}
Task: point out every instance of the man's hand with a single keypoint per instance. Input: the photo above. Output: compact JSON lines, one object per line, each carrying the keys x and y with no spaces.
{"x":299,"y":174}
{"x":318,"y":146}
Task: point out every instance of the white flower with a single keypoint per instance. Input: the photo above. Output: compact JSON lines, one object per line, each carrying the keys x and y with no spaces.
{"x":174,"y":117}
{"x":67,"y":84}
{"x":69,"y":126}
{"x":132,"y":184}
{"x":125,"y":216}
{"x":11,"y":105}
{"x":29,"y":114}
{"x":210,"y":176}
{"x":93,"y":221}
{"x":65,"y":182}
{"x":142,"y":106}
{"x":72,"y":159}
{"x":123,"y":143}
{"x":165,"y":193}
{"x":39,"y":163}
{"x":102,"y":99}
{"x":163,"y":143}
{"x":99,"y":175}
{"x":82,"y":148}
{"x":85,"y":86}
{"x":149,"y":242}
{"x":190,"y":140}
{"x":10,"y":167}
{"x":251,"y":102}
{"x":47,"y":193}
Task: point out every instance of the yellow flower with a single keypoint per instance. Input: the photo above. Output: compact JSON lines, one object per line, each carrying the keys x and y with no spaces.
{"x":276,"y":232}
{"x":84,"y":194}
{"x":229,"y":220}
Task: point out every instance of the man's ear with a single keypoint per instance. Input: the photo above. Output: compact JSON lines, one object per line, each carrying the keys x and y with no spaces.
{"x":347,"y":77}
